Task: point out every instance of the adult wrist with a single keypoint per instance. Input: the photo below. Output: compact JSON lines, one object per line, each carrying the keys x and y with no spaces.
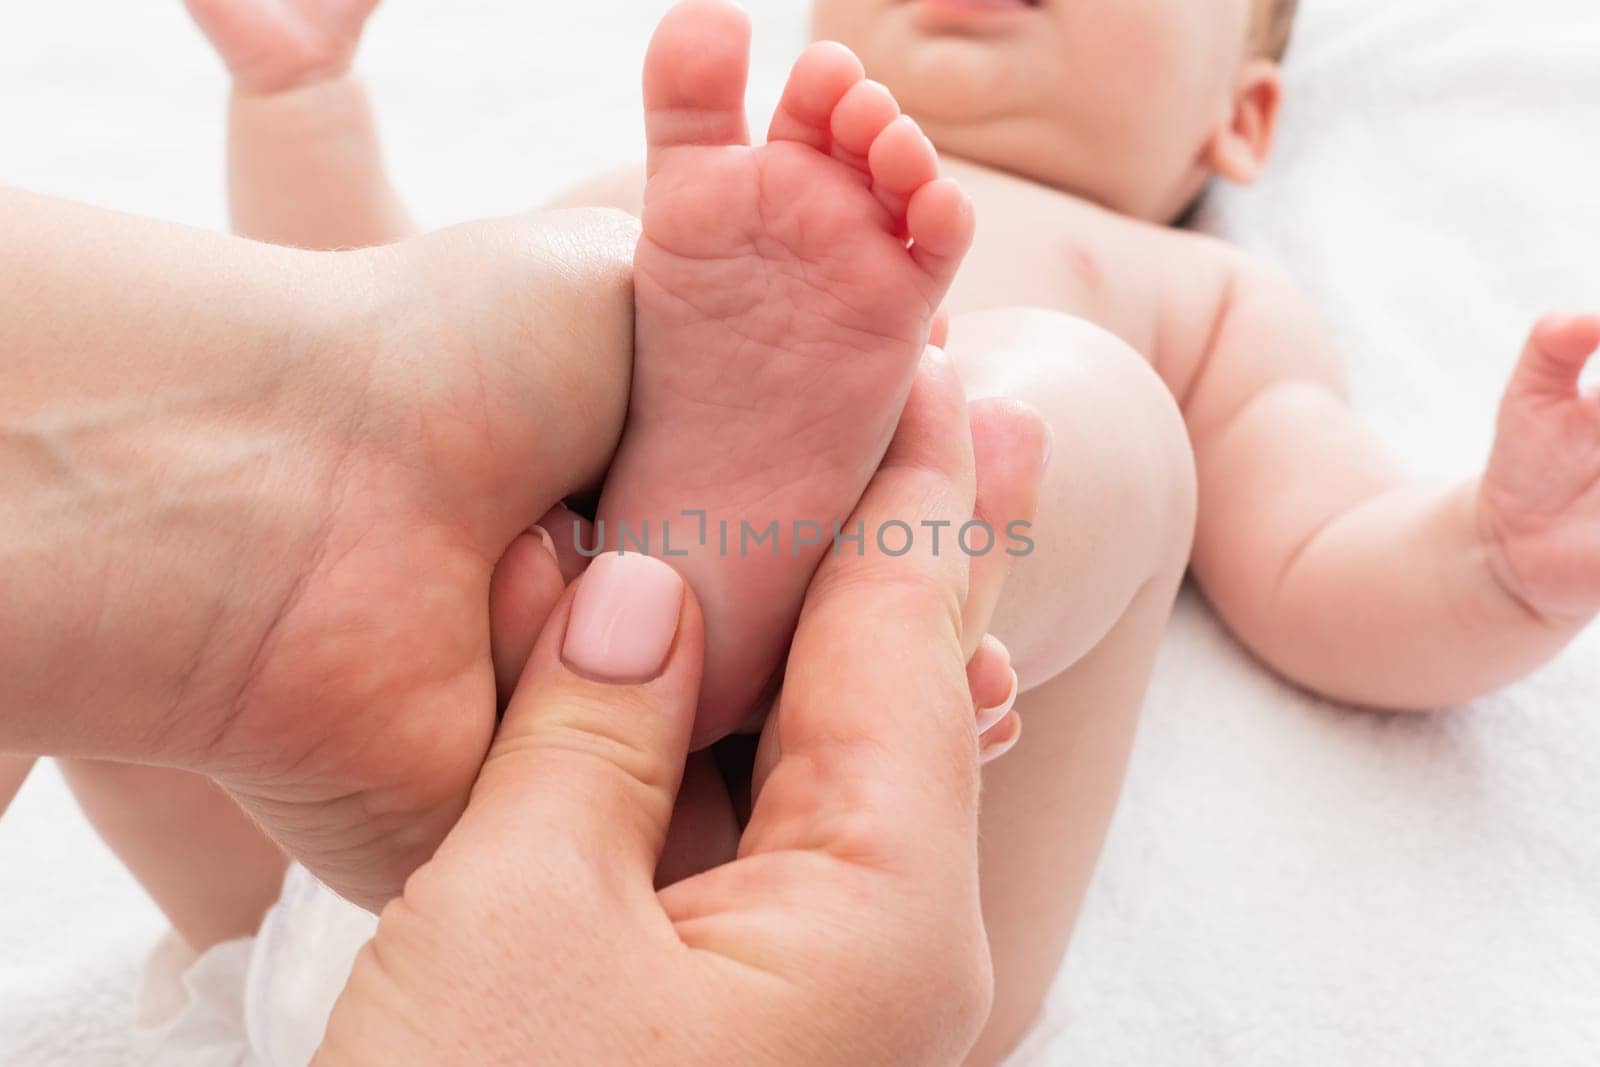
{"x":176,"y":470}
{"x":515,"y":336}
{"x":318,"y":338}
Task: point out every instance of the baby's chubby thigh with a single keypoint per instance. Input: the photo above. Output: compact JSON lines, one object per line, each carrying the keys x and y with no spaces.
{"x":1083,"y":616}
{"x":1117,"y":509}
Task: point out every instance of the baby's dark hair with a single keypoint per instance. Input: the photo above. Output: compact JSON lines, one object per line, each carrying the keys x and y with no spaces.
{"x":1277,"y":26}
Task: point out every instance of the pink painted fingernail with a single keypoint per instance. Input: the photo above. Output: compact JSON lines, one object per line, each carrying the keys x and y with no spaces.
{"x":989,"y":718}
{"x":624,"y":619}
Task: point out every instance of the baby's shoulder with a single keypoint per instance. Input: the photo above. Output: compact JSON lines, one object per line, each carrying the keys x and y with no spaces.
{"x":1175,"y":252}
{"x":1187,"y":282}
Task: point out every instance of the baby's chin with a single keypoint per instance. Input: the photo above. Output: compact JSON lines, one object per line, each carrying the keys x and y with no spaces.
{"x":1000,"y":143}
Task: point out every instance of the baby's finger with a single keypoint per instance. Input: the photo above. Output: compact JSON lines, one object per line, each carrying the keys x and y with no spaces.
{"x":1011,"y":444}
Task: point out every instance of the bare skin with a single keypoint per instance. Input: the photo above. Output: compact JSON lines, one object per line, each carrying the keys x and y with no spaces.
{"x":13,"y":773}
{"x":1309,"y":542}
{"x":213,"y":515}
{"x":759,"y":960}
{"x":216,"y":879}
{"x":1084,"y":615}
{"x":303,"y":150}
{"x":205,"y":476}
{"x":300,"y":127}
{"x":780,"y":318}
{"x":1088,"y":609}
{"x":203,"y":861}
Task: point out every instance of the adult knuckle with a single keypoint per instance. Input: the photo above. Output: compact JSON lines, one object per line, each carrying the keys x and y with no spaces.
{"x":600,"y":732}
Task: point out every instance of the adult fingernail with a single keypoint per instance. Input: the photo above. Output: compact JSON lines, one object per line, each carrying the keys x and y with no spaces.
{"x":1049,"y":447}
{"x":989,"y":718}
{"x":624,"y":618}
{"x":995,"y":747}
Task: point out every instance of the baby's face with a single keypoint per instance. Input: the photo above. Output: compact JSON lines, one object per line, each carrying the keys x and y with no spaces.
{"x":1113,"y":100}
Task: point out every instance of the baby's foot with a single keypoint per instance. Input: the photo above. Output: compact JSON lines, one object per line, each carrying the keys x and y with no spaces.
{"x":271,"y":46}
{"x":784,"y":295}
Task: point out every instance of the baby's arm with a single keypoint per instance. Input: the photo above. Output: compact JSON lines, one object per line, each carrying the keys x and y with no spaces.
{"x":13,"y":772}
{"x":1349,"y":579}
{"x":304,"y":164}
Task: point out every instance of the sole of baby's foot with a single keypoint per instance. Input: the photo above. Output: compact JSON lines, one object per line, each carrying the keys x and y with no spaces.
{"x":784,"y":295}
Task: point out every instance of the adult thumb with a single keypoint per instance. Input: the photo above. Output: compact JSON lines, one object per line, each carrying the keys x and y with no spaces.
{"x":591,"y":752}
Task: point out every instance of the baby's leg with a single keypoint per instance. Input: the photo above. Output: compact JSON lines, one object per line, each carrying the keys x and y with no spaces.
{"x":13,"y":772}
{"x":305,"y":167}
{"x":1083,"y":616}
{"x":781,"y":317}
{"x":203,"y":862}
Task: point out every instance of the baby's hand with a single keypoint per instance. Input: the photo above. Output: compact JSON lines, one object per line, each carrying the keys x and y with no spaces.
{"x":1540,"y":500}
{"x":271,"y":46}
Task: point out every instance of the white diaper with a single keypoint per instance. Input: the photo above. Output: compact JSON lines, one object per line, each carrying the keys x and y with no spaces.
{"x":260,"y":1002}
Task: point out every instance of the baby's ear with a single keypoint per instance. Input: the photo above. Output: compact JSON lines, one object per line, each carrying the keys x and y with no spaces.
{"x":1239,"y":150}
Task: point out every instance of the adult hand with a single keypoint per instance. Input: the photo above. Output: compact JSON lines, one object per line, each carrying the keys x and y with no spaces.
{"x":1008,"y":441}
{"x":374,"y":696}
{"x":848,"y":929}
{"x":255,"y":496}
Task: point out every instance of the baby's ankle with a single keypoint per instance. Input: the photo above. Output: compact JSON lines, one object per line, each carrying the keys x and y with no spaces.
{"x":309,"y":83}
{"x":271,"y":47}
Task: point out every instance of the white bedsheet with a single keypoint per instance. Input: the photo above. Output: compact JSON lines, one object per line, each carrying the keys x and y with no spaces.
{"x":1287,"y":882}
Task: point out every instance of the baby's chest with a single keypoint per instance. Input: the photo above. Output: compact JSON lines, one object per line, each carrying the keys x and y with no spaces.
{"x":1157,"y":289}
{"x":1022,"y":261}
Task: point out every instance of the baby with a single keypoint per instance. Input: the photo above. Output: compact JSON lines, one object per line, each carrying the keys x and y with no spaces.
{"x":784,"y":294}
